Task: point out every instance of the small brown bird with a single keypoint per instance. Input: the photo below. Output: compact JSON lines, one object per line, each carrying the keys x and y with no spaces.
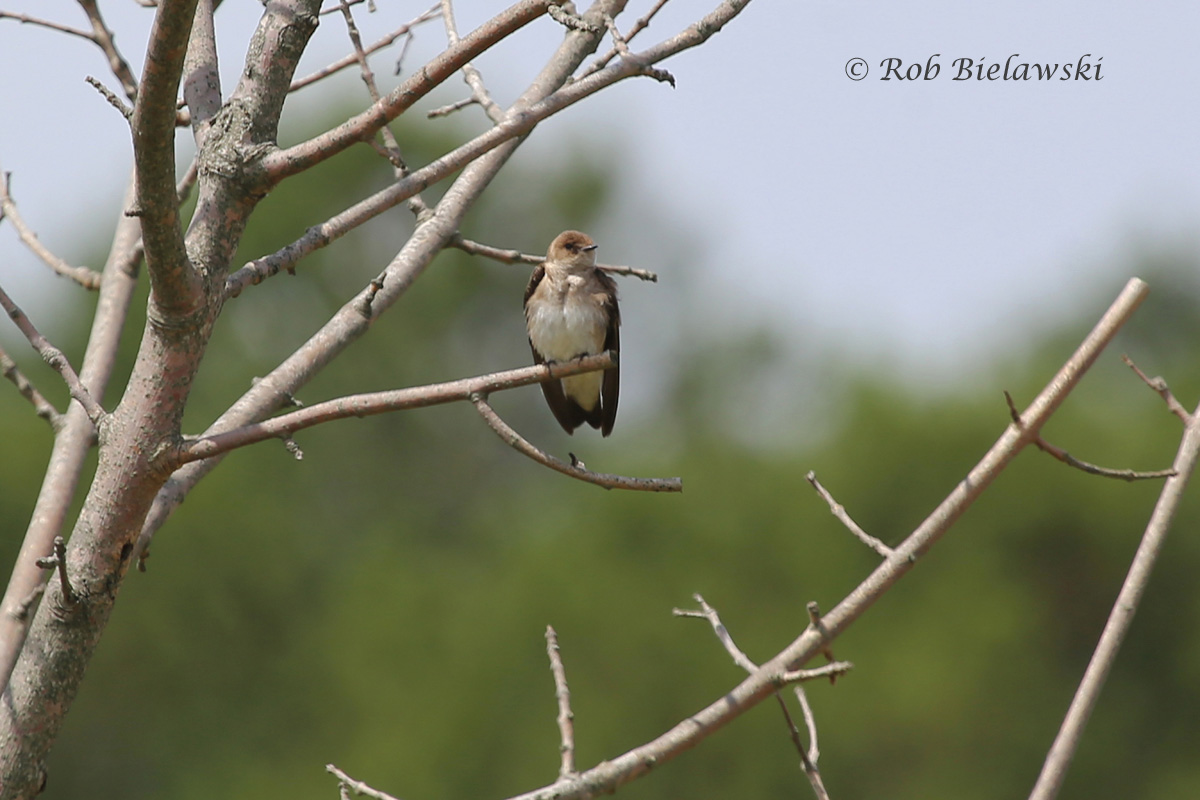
{"x":571,"y":311}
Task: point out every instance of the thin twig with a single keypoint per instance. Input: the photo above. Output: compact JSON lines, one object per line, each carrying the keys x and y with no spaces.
{"x":111,"y":97}
{"x":839,"y":511}
{"x":608,"y":481}
{"x":358,"y":787}
{"x":472,"y":76}
{"x":58,"y":560}
{"x":25,"y":19}
{"x":1061,"y":753}
{"x":517,"y":257}
{"x":103,"y":38}
{"x":352,"y":59}
{"x":1164,"y":391}
{"x":808,"y":759}
{"x":566,"y":718}
{"x":832,"y":670}
{"x":714,"y":619}
{"x":41,"y":406}
{"x":85,"y":277}
{"x":638,"y":27}
{"x":55,"y":358}
{"x":1062,"y":455}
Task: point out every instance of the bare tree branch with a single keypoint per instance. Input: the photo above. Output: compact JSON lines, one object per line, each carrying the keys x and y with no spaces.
{"x":363,"y":127}
{"x":1159,"y":385}
{"x":574,"y":469}
{"x":1062,"y":455}
{"x":177,"y":288}
{"x":515,"y":125}
{"x":1061,"y":753}
{"x":566,"y":718}
{"x":363,"y":405}
{"x":358,"y":787}
{"x":479,"y":92}
{"x":73,"y":440}
{"x":108,"y":94}
{"x":41,"y":406}
{"x":54,"y":357}
{"x":637,"y":28}
{"x":350,"y":60}
{"x":85,"y":277}
{"x":25,"y":19}
{"x":839,"y":511}
{"x":808,"y":758}
{"x":432,"y":233}
{"x":103,"y":38}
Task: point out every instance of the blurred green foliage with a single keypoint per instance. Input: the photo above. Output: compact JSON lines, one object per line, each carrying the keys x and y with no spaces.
{"x":381,"y":604}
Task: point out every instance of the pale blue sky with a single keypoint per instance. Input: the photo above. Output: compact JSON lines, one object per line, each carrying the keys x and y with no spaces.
{"x":934,"y":220}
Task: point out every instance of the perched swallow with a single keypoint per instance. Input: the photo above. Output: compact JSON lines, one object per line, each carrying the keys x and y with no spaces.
{"x":571,"y":311}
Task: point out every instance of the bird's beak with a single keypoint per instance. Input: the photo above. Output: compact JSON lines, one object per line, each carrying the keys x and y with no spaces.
{"x":590,"y":247}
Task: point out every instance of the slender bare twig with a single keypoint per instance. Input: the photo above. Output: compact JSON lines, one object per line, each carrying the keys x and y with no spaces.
{"x":808,"y":758}
{"x":85,"y":277}
{"x":41,"y":406}
{"x":479,"y":92}
{"x":25,"y":19}
{"x":517,"y":257}
{"x":1062,"y":455}
{"x":566,"y":717}
{"x":352,"y":59}
{"x":358,"y":787}
{"x":839,"y":511}
{"x":57,"y":560}
{"x":638,"y":27}
{"x":111,"y":97}
{"x":103,"y":38}
{"x":575,"y":469}
{"x":1061,"y":753}
{"x":709,"y":613}
{"x":55,"y":358}
{"x":362,"y":405}
{"x":1164,"y":391}
{"x":810,"y":722}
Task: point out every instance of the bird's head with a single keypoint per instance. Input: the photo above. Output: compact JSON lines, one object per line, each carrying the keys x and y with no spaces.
{"x":572,"y":249}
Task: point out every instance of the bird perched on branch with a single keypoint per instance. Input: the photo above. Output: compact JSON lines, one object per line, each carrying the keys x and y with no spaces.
{"x":571,"y":311}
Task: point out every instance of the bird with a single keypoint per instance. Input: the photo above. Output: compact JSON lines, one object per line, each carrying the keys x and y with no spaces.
{"x":571,"y":311}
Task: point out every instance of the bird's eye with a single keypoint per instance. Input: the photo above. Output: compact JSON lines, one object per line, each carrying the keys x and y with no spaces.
{"x":572,"y":247}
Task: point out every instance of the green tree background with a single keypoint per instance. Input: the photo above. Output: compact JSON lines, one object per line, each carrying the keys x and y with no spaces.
{"x":381,"y":603}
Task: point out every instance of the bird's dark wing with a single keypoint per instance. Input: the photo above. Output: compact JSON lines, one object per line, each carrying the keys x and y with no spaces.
{"x":539,"y":272}
{"x":611,"y":387}
{"x":565,"y":410}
